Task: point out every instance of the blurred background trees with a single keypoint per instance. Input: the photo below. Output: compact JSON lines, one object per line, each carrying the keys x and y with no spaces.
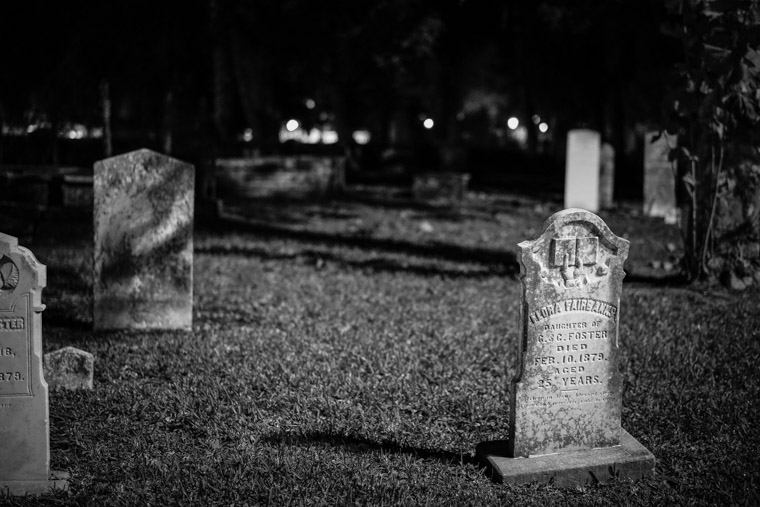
{"x":429,"y":83}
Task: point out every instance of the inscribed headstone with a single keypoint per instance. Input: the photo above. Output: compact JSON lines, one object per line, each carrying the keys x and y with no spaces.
{"x":24,"y":420}
{"x":659,"y":180}
{"x":143,"y":221}
{"x":69,"y":368}
{"x":566,"y":398}
{"x":606,"y":176}
{"x":582,"y":170}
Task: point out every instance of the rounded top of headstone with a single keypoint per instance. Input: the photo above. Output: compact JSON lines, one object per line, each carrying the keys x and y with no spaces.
{"x":140,"y":156}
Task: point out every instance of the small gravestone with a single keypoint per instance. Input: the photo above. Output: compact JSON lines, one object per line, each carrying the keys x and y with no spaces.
{"x":606,"y":176}
{"x":24,"y":419}
{"x":69,"y":368}
{"x":659,"y":180}
{"x":445,"y":188}
{"x":582,"y":170}
{"x":566,"y":398}
{"x":143,"y":220}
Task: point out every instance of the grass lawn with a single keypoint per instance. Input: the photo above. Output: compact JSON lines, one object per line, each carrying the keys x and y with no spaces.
{"x":356,"y":352}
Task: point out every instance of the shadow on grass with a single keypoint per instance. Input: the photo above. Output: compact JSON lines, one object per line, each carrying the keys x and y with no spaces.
{"x":502,"y":262}
{"x":387,"y":264}
{"x":361,"y":445}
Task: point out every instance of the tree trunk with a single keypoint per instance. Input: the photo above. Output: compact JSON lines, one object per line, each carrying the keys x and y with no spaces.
{"x":105,"y":100}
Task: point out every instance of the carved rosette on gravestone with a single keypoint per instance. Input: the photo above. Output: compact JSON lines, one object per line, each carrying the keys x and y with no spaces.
{"x":143,"y":221}
{"x":24,"y":429}
{"x":566,"y":398}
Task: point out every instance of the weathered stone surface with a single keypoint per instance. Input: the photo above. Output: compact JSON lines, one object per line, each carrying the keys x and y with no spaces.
{"x":582,"y":170}
{"x":143,"y":221}
{"x":659,"y":180}
{"x":567,"y":394}
{"x":606,"y":176}
{"x":24,"y":430}
{"x":278,"y":176}
{"x":69,"y":368}
{"x":444,"y":188}
{"x":566,"y":397}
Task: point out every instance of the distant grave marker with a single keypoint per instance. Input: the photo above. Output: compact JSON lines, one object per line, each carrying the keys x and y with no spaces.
{"x":24,"y":428}
{"x":446,"y":188}
{"x":69,"y":368}
{"x":659,"y":180}
{"x":566,"y":399}
{"x":582,"y":170}
{"x":143,"y":221}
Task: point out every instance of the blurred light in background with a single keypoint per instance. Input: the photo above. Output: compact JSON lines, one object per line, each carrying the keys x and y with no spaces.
{"x":543,"y":127}
{"x":361,"y":136}
{"x":310,"y":104}
{"x":314,"y":137}
{"x":520,"y":134}
{"x":428,"y":123}
{"x":536,"y":119}
{"x":329,"y":137}
{"x":248,"y":135}
{"x":73,"y":131}
{"x":292,"y":125}
{"x":513,"y":123}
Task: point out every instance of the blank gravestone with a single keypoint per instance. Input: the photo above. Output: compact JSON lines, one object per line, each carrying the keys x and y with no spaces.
{"x":659,"y":180}
{"x":69,"y":368}
{"x":24,"y":420}
{"x":143,"y":219}
{"x":566,"y":398}
{"x":582,"y":170}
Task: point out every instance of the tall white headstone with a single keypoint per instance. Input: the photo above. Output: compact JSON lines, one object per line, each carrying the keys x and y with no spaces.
{"x":659,"y":180}
{"x":582,"y":170}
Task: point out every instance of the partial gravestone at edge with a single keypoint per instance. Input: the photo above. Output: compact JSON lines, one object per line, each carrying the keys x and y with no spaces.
{"x":566,"y":398}
{"x":143,"y":252}
{"x":24,"y":417}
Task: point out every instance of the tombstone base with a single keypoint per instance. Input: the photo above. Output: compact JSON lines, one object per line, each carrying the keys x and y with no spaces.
{"x":629,"y":460}
{"x":58,"y":482}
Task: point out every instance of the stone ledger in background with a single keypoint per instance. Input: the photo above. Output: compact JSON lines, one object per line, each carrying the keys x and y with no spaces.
{"x":606,"y":176}
{"x":69,"y":368}
{"x":566,"y":398}
{"x":582,"y":170}
{"x":24,"y":427}
{"x":143,"y":221}
{"x":659,"y":180}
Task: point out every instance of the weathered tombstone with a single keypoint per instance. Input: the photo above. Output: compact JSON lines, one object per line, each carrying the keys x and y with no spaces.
{"x":445,"y":188}
{"x":606,"y":176}
{"x":582,"y":170}
{"x":566,"y":398}
{"x":659,"y":180}
{"x":143,"y":221}
{"x":24,"y":421}
{"x":69,"y":368}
